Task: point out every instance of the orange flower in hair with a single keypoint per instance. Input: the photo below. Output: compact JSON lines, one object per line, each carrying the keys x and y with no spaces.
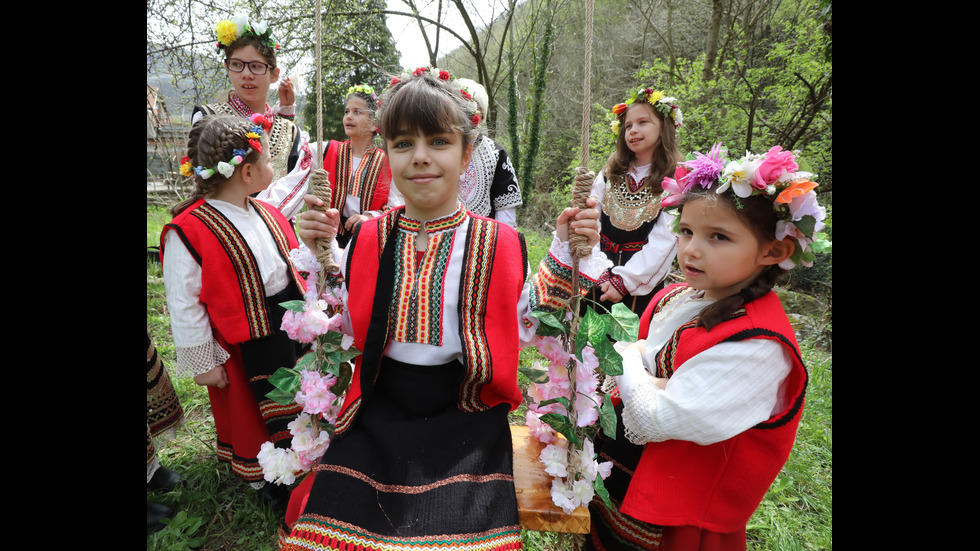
{"x":795,"y":189}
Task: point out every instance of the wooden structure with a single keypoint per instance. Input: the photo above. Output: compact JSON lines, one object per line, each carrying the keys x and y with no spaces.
{"x":534,"y":504}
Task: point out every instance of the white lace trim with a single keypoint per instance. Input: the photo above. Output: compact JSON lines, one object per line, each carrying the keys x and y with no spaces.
{"x":639,"y":423}
{"x":194,"y":360}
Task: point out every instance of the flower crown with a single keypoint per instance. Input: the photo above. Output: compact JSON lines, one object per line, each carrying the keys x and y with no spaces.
{"x":229,"y":30}
{"x":774,"y":174}
{"x":362,"y":89}
{"x":471,"y":106}
{"x":226,"y":169}
{"x":666,"y":105}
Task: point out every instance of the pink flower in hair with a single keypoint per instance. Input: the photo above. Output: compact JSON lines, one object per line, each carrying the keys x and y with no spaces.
{"x":705,"y":169}
{"x":260,"y":119}
{"x":776,"y":163}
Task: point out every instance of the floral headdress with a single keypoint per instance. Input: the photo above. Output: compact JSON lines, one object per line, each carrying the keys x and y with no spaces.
{"x":471,"y":106}
{"x":667,"y":106}
{"x":226,"y":169}
{"x":774,"y":174}
{"x":365,"y":89}
{"x":229,"y":30}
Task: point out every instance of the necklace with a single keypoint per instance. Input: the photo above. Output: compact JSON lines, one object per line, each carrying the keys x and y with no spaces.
{"x":631,"y":204}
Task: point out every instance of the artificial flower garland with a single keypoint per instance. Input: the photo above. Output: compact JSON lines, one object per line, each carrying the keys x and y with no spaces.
{"x":366,"y":89}
{"x":319,"y":380}
{"x":229,"y":30}
{"x":775,"y":174}
{"x":472,"y":107}
{"x":567,"y":399}
{"x":666,"y":105}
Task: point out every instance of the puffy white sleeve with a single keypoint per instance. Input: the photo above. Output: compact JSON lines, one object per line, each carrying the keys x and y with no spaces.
{"x":197,"y":350}
{"x":715,"y":395}
{"x":286,"y":193}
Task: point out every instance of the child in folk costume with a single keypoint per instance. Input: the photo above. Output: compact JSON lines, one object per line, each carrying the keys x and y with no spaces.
{"x":437,"y":299}
{"x":360,"y":178}
{"x":636,"y":233}
{"x":226,"y":269}
{"x":250,"y":60}
{"x":489,"y":185}
{"x":712,"y":395}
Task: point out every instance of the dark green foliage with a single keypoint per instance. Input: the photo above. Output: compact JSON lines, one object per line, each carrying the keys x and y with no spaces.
{"x":357,"y":49}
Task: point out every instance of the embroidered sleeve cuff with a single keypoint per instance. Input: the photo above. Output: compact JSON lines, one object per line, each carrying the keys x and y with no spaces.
{"x":552,"y":284}
{"x":194,"y":360}
{"x":617,"y":282}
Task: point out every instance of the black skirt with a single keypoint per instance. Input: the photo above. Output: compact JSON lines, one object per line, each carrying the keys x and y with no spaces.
{"x":414,"y":470}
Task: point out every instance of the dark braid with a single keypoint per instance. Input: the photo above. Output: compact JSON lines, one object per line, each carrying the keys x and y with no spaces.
{"x":214,"y":139}
{"x":723,"y":309}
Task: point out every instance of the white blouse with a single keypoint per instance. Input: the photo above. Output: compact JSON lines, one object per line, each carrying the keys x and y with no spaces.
{"x":713,"y":396}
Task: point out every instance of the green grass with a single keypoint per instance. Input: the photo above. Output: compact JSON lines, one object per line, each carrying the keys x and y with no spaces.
{"x":219,"y":512}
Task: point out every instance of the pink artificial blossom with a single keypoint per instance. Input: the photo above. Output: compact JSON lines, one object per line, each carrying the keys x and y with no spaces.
{"x":314,"y":392}
{"x":776,"y":163}
{"x":539,"y":429}
{"x":705,"y":169}
{"x":307,"y":325}
{"x":552,"y":348}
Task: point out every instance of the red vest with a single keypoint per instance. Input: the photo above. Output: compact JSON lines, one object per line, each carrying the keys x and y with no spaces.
{"x":493,"y":277}
{"x":375,"y":180}
{"x":719,"y":486}
{"x":231,"y":284}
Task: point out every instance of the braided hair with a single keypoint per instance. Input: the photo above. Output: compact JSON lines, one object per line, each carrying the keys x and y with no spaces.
{"x":214,"y":139}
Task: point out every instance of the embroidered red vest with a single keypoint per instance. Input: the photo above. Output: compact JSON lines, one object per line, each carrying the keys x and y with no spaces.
{"x":493,"y":276}
{"x":374,"y":180}
{"x":719,"y":486}
{"x":231,"y":284}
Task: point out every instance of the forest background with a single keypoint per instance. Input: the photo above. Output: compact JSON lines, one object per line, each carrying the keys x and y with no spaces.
{"x":750,"y":74}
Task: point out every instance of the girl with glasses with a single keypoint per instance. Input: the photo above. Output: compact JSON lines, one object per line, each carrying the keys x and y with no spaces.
{"x":250,"y":61}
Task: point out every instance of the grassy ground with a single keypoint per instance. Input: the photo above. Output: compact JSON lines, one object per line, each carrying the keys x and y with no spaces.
{"x":219,"y":512}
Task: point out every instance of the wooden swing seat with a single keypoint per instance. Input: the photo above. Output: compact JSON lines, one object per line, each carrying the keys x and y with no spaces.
{"x":535,"y":508}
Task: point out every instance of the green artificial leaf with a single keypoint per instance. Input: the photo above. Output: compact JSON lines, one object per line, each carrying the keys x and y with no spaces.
{"x":281,"y":397}
{"x":806,"y":225}
{"x":560,"y":400}
{"x":551,"y":324}
{"x":305,"y":362}
{"x":607,"y":417}
{"x":600,"y":490}
{"x":285,"y":378}
{"x":344,"y":374}
{"x":293,"y":305}
{"x":821,"y":244}
{"x":610,"y":361}
{"x":591,"y":329}
{"x":623,"y":324}
{"x":563,"y":425}
{"x":534,"y":374}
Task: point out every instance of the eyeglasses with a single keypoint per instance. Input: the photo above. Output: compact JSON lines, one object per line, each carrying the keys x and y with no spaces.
{"x":236,"y":66}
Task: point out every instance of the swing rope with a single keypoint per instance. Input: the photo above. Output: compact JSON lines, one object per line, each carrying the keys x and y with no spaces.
{"x":578,"y":244}
{"x":320,"y":178}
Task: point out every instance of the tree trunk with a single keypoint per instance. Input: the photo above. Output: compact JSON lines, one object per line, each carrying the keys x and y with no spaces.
{"x":711,"y":46}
